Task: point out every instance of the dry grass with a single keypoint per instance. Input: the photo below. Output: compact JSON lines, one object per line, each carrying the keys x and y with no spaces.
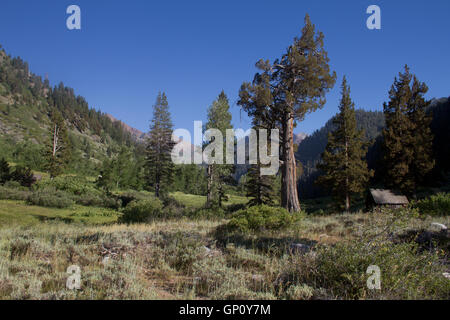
{"x":189,"y":260}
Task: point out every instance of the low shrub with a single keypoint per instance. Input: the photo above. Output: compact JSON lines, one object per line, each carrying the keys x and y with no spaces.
{"x":13,"y":194}
{"x":263,"y":217}
{"x":50,"y":198}
{"x":142,"y":211}
{"x":182,"y":252}
{"x":15,"y":185}
{"x":131,"y":195}
{"x":341,"y":272}
{"x":436,"y":205}
{"x":299,"y":292}
{"x":232,"y":208}
{"x":172,"y":207}
{"x":74,"y":185}
{"x":93,"y":200}
{"x":206,"y":214}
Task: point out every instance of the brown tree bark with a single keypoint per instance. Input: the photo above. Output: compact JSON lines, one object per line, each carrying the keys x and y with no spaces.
{"x":289,"y":194}
{"x":157,"y":189}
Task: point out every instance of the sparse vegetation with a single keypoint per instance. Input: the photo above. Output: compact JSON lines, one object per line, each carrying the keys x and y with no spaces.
{"x":182,"y":259}
{"x":435,"y":205}
{"x":263,"y":217}
{"x":142,"y":211}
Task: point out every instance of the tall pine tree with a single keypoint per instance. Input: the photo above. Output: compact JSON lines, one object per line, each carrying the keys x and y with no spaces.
{"x":407,"y":136}
{"x":343,"y":160}
{"x":219,"y":117}
{"x":159,"y":163}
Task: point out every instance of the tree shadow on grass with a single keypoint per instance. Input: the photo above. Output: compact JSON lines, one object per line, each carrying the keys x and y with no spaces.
{"x":43,"y":218}
{"x":262,"y":242}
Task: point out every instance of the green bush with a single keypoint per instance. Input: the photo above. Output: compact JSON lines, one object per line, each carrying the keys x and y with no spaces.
{"x":50,"y":198}
{"x":75,"y":185}
{"x":14,"y":185}
{"x":436,"y":205}
{"x":80,"y":190}
{"x":130,"y":195}
{"x":206,"y":213}
{"x":13,"y":193}
{"x":172,"y":207}
{"x":299,"y":292}
{"x":263,"y":217}
{"x":93,"y":200}
{"x":142,"y":211}
{"x":341,"y":271}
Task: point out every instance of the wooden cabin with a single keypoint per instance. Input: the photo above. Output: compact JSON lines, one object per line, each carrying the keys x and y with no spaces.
{"x":385,"y":198}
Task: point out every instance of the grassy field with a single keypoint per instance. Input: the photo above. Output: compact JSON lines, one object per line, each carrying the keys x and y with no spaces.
{"x":19,"y":213}
{"x":183,"y":259}
{"x":195,"y":201}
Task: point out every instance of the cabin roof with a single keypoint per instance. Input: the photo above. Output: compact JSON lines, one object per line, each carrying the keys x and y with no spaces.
{"x":381,"y":196}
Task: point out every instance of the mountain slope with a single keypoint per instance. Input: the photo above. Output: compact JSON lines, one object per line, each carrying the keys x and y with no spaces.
{"x":138,"y":135}
{"x":310,"y":149}
{"x":26,"y":103}
{"x":440,"y":126}
{"x":312,"y":146}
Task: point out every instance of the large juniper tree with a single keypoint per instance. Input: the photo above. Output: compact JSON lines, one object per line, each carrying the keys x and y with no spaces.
{"x":219,"y":117}
{"x":343,"y":160}
{"x":58,"y":151}
{"x":159,"y":163}
{"x":407,"y":136}
{"x":285,"y":91}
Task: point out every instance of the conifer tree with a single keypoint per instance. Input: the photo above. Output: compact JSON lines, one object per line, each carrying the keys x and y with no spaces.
{"x":5,"y":171}
{"x":407,"y":136}
{"x":59,"y":151}
{"x":219,"y":117}
{"x":343,"y":160}
{"x":260,"y":188}
{"x":123,"y":171}
{"x":159,"y":163}
{"x":285,"y":91}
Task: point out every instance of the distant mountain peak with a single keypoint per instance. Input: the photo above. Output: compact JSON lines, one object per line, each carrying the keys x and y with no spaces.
{"x":299,"y":137}
{"x":137,"y":134}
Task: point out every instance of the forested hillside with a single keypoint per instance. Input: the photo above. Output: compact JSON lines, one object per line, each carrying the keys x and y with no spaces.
{"x":311,"y":148}
{"x":26,"y":104}
{"x":440,"y":109}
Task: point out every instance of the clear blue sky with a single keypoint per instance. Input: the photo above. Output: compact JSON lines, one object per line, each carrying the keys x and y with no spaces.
{"x":129,"y":50}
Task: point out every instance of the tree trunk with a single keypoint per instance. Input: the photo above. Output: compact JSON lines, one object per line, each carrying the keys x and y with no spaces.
{"x":289,"y":194}
{"x":347,"y":202}
{"x":55,"y":140}
{"x":347,"y":197}
{"x":209,"y":187}
{"x":157,"y":190}
{"x":220,"y":196}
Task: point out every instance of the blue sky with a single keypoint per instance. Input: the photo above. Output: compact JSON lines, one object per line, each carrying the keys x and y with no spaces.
{"x":127,"y":51}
